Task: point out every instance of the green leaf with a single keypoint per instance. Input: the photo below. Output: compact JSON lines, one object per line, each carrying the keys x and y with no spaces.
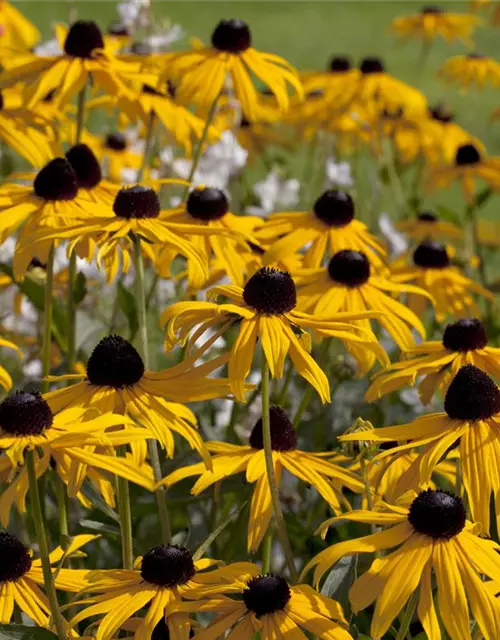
{"x":100,"y":527}
{"x":128,"y":305}
{"x":483,"y":197}
{"x":21,"y":632}
{"x":204,"y":545}
{"x":340,"y":580}
{"x":79,"y":288}
{"x":91,"y":494}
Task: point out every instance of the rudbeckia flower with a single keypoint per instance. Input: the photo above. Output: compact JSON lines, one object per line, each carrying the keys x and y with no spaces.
{"x":472,"y":404}
{"x":116,"y":380}
{"x":251,"y":603}
{"x":338,"y":76}
{"x":430,"y":537}
{"x":432,"y":21}
{"x":17,"y":31}
{"x":470,"y":164}
{"x":200,"y":74}
{"x":348,"y":285}
{"x":229,"y":235}
{"x":325,"y":476}
{"x":437,"y":362}
{"x":330,"y":227}
{"x":471,"y":70}
{"x":5,"y":379}
{"x":116,"y":154}
{"x":21,"y":578}
{"x":264,"y":308}
{"x":162,"y":576}
{"x":444,"y":136}
{"x":67,"y":74}
{"x":450,"y":289}
{"x":427,"y":226}
{"x":88,"y":172}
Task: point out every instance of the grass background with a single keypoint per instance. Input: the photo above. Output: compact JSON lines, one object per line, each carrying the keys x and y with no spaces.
{"x":308,"y":33}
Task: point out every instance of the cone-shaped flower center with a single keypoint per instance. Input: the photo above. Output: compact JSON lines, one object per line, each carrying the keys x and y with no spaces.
{"x":85,"y":165}
{"x":35,"y":263}
{"x":15,"y":559}
{"x":472,"y":395}
{"x":266,"y":594}
{"x":467,"y":154}
{"x":136,"y":202}
{"x":25,"y":414}
{"x":431,"y":9}
{"x":339,"y":64}
{"x":350,"y":268}
{"x":371,"y":65}
{"x":118,"y":29}
{"x":441,"y":113}
{"x":283,"y":436}
{"x":437,"y":514}
{"x":465,"y":335}
{"x":114,"y":362}
{"x":270,"y":291}
{"x":431,"y":255}
{"x":116,"y":141}
{"x":56,"y":181}
{"x":334,"y":208}
{"x":427,"y":216}
{"x":84,"y":36}
{"x":207,"y":204}
{"x":167,"y":566}
{"x":232,"y":36}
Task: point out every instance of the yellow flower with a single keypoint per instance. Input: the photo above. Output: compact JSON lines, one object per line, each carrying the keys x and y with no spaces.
{"x":161,"y":577}
{"x":428,"y":536}
{"x":5,"y":379}
{"x":200,"y":74}
{"x":17,"y":31}
{"x":325,"y":476}
{"x":115,"y":153}
{"x":21,"y":578}
{"x":443,"y":136}
{"x":427,"y":226}
{"x":330,"y":227}
{"x":432,"y":21}
{"x":435,"y":363}
{"x":471,"y":70}
{"x":450,"y":289}
{"x":264,"y":308}
{"x":250,"y":603}
{"x":472,"y":404}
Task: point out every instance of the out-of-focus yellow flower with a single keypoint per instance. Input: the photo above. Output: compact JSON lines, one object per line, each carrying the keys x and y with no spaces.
{"x":16,"y":31}
{"x":432,"y":21}
{"x":5,"y":379}
{"x":427,"y":226}
{"x":471,"y":70}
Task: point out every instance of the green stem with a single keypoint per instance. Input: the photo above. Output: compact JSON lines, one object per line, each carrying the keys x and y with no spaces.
{"x":308,"y":394}
{"x":71,"y":357}
{"x":47,"y":320}
{"x":125,"y":517}
{"x":37,"y":513}
{"x":408,"y":616}
{"x":62,"y":509}
{"x":266,"y":552}
{"x":154,"y":454}
{"x":286,"y":385}
{"x":148,"y":145}
{"x":271,"y":478}
{"x":80,"y":115}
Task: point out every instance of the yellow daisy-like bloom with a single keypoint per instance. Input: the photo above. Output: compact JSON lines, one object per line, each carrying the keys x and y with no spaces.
{"x":325,"y":476}
{"x":116,"y":380}
{"x":17,"y":32}
{"x":21,"y":578}
{"x":265,"y":309}
{"x":337,"y":78}
{"x":228,"y":237}
{"x":330,"y":227}
{"x":67,"y":74}
{"x":115,"y":154}
{"x":432,"y":21}
{"x":471,"y":70}
{"x":161,"y":577}
{"x":249,"y":603}
{"x":428,"y":536}
{"x":472,"y":404}
{"x":437,"y":362}
{"x":347,"y":285}
{"x":5,"y":379}
{"x":200,"y":74}
{"x":443,"y":136}
{"x":427,"y":226}
{"x":450,"y":289}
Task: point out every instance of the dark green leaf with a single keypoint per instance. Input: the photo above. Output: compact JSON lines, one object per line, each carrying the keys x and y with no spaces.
{"x":91,"y":494}
{"x":128,"y":305}
{"x":21,"y":632}
{"x":483,"y":197}
{"x":94,"y":525}
{"x":340,"y":580}
{"x":79,"y":288}
{"x":199,"y":553}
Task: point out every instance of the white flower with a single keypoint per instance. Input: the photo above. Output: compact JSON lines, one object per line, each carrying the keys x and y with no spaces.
{"x":275,"y":192}
{"x":164,"y":40}
{"x":338,"y":173}
{"x":7,"y":250}
{"x":133,"y":14}
{"x":397,"y":242}
{"x":48,"y":48}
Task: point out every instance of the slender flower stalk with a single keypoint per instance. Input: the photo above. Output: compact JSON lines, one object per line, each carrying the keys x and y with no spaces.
{"x":408,"y":615}
{"x":148,"y":145}
{"x":125,"y":514}
{"x":268,"y":454}
{"x":47,"y":320}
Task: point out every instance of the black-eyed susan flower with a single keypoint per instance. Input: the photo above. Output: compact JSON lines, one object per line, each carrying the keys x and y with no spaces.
{"x":433,"y":21}
{"x":249,"y":603}
{"x":471,"y":70}
{"x":427,"y":537}
{"x":435,"y":363}
{"x":116,"y":153}
{"x":324,"y":475}
{"x":5,"y":379}
{"x":265,"y":309}
{"x":330,"y":227}
{"x":443,"y":136}
{"x":200,"y":74}
{"x":347,"y":284}
{"x":338,"y":75}
{"x":117,"y":380}
{"x":450,"y":289}
{"x":229,"y":235}
{"x":21,"y":577}
{"x":83,"y":57}
{"x":162,"y":576}
{"x":88,"y":172}
{"x":427,"y":226}
{"x":472,"y":404}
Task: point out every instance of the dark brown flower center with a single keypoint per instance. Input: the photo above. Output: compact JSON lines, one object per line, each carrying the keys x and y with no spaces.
{"x":270,"y":291}
{"x":472,"y":395}
{"x":334,"y":208}
{"x":426,"y":216}
{"x":15,"y":559}
{"x":25,"y":414}
{"x":84,"y":36}
{"x":441,"y":113}
{"x":350,"y":268}
{"x":114,"y":362}
{"x":431,"y":9}
{"x":467,"y":154}
{"x":207,"y":204}
{"x":437,"y":514}
{"x":266,"y":594}
{"x":56,"y":181}
{"x":431,"y":255}
{"x":136,"y":202}
{"x":283,"y":436}
{"x":116,"y":141}
{"x":167,"y":566}
{"x":371,"y":65}
{"x":465,"y":335}
{"x":232,"y":36}
{"x":340,"y":64}
{"x":85,"y":165}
